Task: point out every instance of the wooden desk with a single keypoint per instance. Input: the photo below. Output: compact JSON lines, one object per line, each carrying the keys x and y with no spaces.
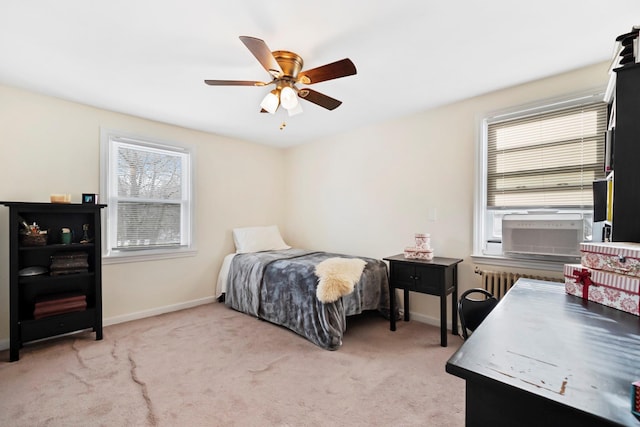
{"x":545,"y":358}
{"x":436,"y":277}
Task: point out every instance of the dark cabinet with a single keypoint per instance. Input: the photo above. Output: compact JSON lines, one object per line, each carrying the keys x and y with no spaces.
{"x":626,"y":175}
{"x":435,"y":277}
{"x":55,"y":279}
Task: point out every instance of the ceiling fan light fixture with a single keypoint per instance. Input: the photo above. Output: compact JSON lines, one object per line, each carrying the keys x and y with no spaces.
{"x":286,"y":70}
{"x":289,"y":98}
{"x":295,"y":110}
{"x":270,"y":102}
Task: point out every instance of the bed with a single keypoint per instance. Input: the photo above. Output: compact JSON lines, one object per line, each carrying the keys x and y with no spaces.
{"x":280,"y":284}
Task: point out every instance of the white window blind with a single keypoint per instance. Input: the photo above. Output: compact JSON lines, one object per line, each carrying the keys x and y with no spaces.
{"x":546,"y":160}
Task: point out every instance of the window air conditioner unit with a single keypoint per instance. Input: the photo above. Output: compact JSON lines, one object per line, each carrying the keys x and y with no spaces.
{"x":542,"y":235}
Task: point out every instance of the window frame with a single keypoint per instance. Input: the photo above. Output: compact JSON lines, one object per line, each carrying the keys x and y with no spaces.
{"x":480,"y":216}
{"x":108,"y":182}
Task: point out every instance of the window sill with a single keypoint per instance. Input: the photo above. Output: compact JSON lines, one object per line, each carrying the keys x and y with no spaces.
{"x":146,"y":255}
{"x":533,"y":264}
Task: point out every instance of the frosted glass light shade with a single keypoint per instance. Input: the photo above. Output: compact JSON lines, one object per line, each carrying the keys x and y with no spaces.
{"x":295,"y":110}
{"x":288,"y":97}
{"x":270,"y":102}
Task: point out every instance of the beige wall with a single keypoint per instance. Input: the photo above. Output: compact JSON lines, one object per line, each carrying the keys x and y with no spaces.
{"x":52,"y":146}
{"x":368,"y":191}
{"x":365,"y":192}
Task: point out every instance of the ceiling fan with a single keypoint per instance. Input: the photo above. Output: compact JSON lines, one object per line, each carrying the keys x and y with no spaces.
{"x":285,"y":69}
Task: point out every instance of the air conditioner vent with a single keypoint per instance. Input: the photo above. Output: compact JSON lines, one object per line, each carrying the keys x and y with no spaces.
{"x":542,"y":235}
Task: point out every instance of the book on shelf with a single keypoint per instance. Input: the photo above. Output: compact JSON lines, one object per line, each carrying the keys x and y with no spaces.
{"x":62,"y":271}
{"x":59,"y":298}
{"x":59,"y":304}
{"x":70,"y":255}
{"x":39,"y":313}
{"x":69,"y":263}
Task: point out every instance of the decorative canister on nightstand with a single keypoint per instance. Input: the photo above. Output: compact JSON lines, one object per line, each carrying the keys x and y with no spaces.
{"x":410,"y":252}
{"x":422,"y":250}
{"x":425,"y":254}
{"x":423,"y":241}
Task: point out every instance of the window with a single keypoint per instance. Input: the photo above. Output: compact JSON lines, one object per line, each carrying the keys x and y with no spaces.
{"x":538,"y":159}
{"x":147,"y":188}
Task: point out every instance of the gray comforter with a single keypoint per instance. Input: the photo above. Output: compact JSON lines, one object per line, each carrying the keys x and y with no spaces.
{"x":280,"y":287}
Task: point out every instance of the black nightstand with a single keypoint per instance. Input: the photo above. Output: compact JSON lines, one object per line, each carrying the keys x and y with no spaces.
{"x":436,"y":277}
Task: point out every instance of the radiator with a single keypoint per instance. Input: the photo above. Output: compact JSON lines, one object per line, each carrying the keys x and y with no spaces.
{"x":499,"y":282}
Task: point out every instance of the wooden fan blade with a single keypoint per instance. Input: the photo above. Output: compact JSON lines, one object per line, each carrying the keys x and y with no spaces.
{"x":331,"y":71}
{"x":319,"y":99}
{"x":234,"y":83}
{"x":261,"y":51}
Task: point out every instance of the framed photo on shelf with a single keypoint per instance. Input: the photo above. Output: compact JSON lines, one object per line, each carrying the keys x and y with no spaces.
{"x":89,"y":198}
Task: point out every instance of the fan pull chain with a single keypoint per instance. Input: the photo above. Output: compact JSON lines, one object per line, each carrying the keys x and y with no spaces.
{"x":283,"y":125}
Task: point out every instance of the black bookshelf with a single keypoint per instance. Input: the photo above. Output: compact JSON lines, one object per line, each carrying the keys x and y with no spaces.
{"x":30,"y":292}
{"x":626,"y":177}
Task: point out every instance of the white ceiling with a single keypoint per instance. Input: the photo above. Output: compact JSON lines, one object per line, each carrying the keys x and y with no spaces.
{"x":150,"y":58}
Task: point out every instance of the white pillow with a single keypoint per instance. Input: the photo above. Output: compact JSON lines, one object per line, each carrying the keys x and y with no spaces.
{"x":258,"y":239}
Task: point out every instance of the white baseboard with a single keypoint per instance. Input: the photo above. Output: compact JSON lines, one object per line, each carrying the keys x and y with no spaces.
{"x":156,"y":311}
{"x":4,"y":344}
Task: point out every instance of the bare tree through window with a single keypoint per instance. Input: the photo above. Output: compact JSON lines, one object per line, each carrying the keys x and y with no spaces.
{"x":150,"y":194}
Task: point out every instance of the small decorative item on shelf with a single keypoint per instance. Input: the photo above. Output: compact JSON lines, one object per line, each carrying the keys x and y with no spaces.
{"x":31,"y":235}
{"x":89,"y":198}
{"x":422,"y":249}
{"x":635,"y":398}
{"x":60,"y":198}
{"x":39,"y":239}
{"x":85,"y":234}
{"x":65,"y":236}
{"x":34,"y":270}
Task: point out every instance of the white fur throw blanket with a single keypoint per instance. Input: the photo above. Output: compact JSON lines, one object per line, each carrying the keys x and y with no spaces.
{"x":337,"y":277}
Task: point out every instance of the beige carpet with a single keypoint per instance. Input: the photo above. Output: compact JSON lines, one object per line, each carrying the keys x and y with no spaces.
{"x":212,"y":366}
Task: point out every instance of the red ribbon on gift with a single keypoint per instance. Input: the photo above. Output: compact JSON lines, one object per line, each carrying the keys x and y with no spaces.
{"x":583,"y":277}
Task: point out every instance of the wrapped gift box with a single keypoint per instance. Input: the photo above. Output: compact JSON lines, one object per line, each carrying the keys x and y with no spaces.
{"x":635,"y":398}
{"x":618,"y":257}
{"x":610,"y":289}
